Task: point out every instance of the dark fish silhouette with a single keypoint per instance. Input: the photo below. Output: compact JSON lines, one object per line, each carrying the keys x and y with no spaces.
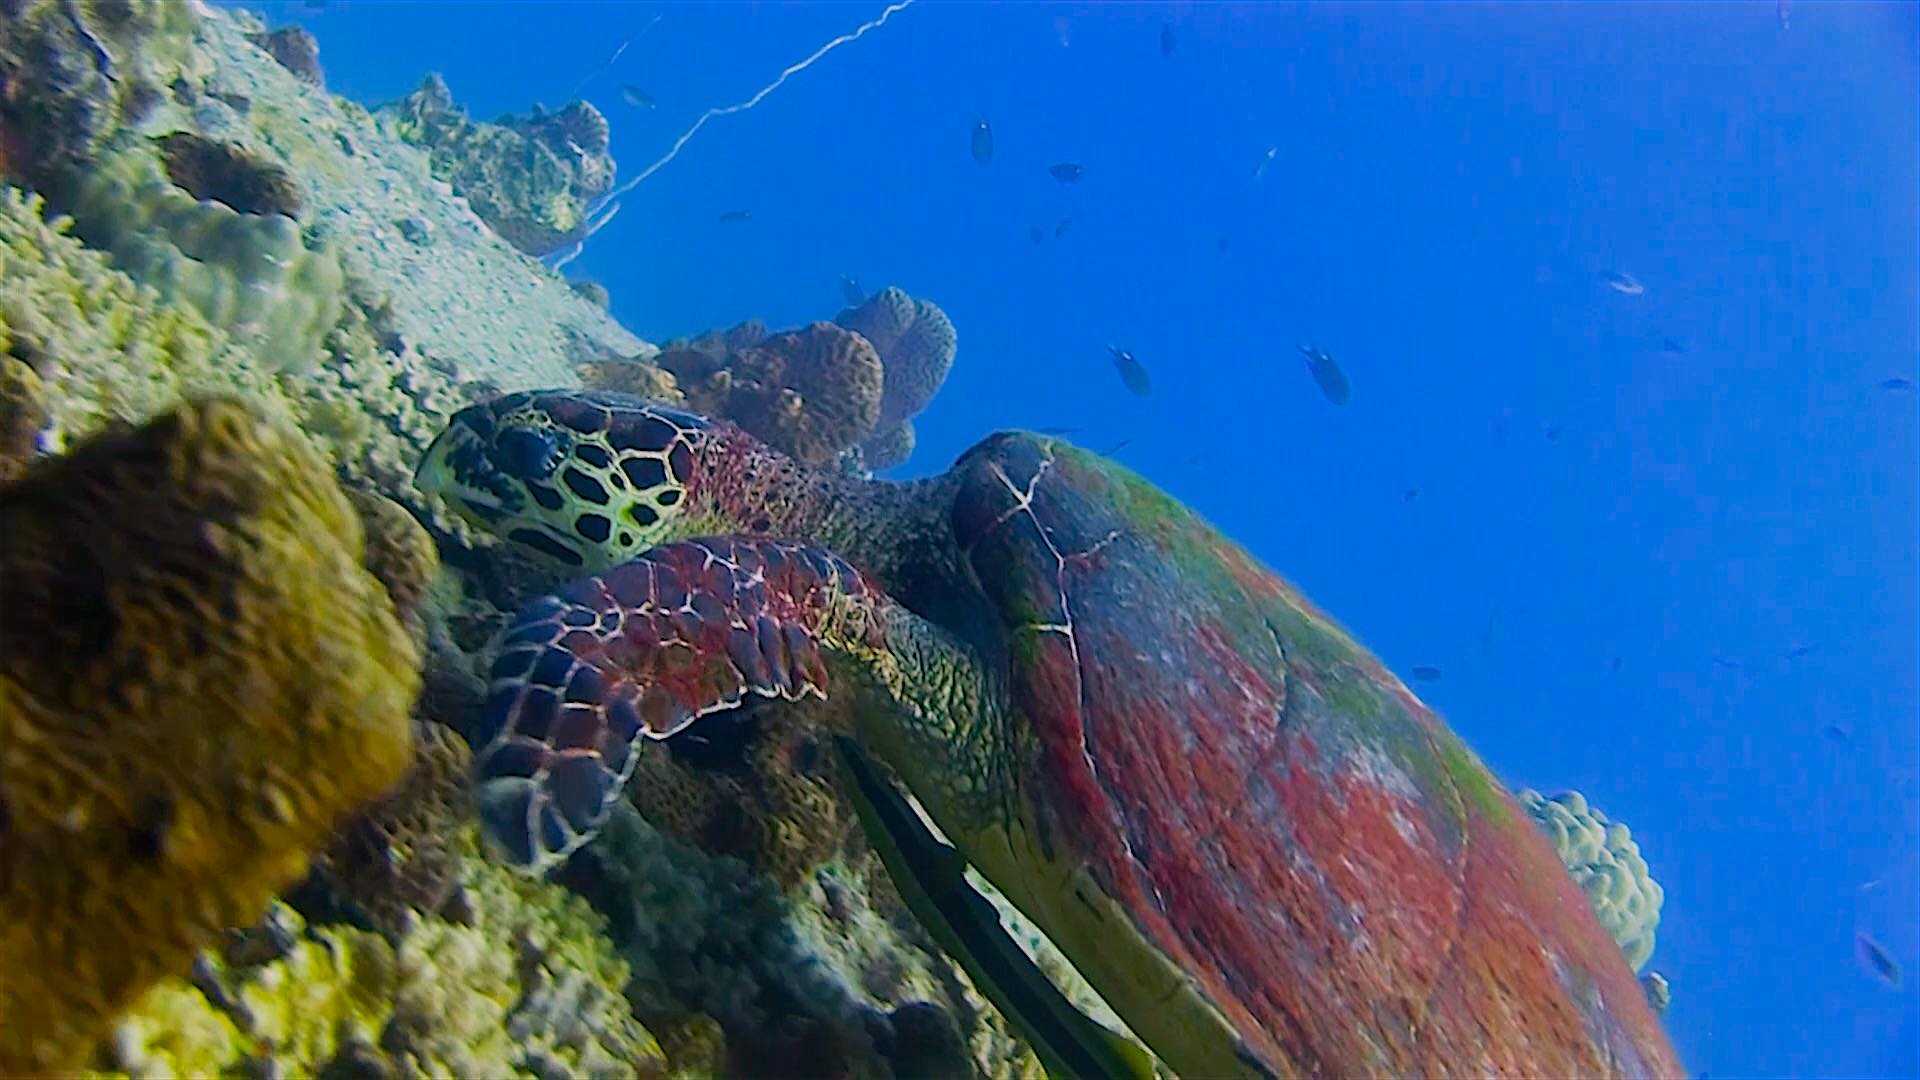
{"x":636,"y":97}
{"x":1730,"y":665}
{"x":1552,"y":432}
{"x":1614,"y":664}
{"x":1881,"y":963}
{"x":1066,"y":172}
{"x":1410,"y":494}
{"x":1333,"y":381}
{"x":1897,"y":383}
{"x":1132,"y":372}
{"x":1222,"y":244}
{"x":1116,"y":448}
{"x":983,"y":142}
{"x":1426,"y":673}
{"x":732,"y":217}
{"x":1036,"y":234}
{"x":1798,"y":651}
{"x":1060,"y":230}
{"x":1839,"y":733}
{"x":1166,"y":39}
{"x":850,"y":289}
{"x":1672,"y":345}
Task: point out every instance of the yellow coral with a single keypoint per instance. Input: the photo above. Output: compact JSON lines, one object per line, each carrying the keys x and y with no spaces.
{"x":198,"y":681}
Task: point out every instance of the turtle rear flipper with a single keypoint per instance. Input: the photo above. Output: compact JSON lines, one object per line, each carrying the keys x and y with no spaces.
{"x":931,"y":877}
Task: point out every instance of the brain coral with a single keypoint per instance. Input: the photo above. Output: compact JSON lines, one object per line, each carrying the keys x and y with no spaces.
{"x":1603,"y":857}
{"x":916,"y":342}
{"x":198,"y":682}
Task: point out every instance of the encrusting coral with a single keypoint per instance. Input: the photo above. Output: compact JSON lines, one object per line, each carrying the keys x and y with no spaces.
{"x":198,"y":682}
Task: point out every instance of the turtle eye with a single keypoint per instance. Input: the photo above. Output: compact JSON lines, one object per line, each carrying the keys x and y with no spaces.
{"x":526,"y":454}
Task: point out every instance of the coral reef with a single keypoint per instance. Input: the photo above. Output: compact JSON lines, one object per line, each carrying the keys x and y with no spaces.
{"x":524,"y":985}
{"x":396,"y":859}
{"x":400,"y":555}
{"x":198,"y":682}
{"x":531,"y":178}
{"x":224,"y":173}
{"x":812,"y":393}
{"x":916,"y":343}
{"x":76,"y":71}
{"x":295,"y":49}
{"x":107,"y":348}
{"x":889,"y":448}
{"x":811,"y":974}
{"x":23,"y":415}
{"x":253,"y":274}
{"x":1603,"y":857}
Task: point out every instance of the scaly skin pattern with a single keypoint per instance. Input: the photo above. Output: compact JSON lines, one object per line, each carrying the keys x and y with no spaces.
{"x":1335,"y":872}
{"x":641,"y":652}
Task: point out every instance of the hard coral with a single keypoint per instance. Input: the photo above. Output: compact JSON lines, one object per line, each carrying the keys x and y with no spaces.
{"x":228,"y":174}
{"x":72,"y":72}
{"x":254,"y":275}
{"x":1603,"y":857}
{"x":531,"y":178}
{"x":198,"y":682}
{"x":916,"y":343}
{"x":23,"y":415}
{"x":526,"y":986}
{"x":811,"y":393}
{"x":296,"y":49}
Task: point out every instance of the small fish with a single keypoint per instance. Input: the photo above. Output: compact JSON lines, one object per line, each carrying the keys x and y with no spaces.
{"x":1132,"y":372}
{"x":1166,"y":39}
{"x":1410,"y":494}
{"x":1897,"y":384}
{"x":1672,"y":345}
{"x":850,"y":289}
{"x":1066,"y":172}
{"x":1266,"y":159}
{"x":1426,"y":673}
{"x":1798,"y":651}
{"x":1552,"y":432}
{"x":1625,"y":284}
{"x":1614,"y":664}
{"x":1878,"y":960}
{"x":636,"y":97}
{"x":1222,"y":244}
{"x":1333,"y":381}
{"x":732,"y":217}
{"x":1730,"y":665}
{"x":1037,"y":234}
{"x":1060,"y":230}
{"x":1116,"y":448}
{"x":983,"y":142}
{"x":1839,"y":733}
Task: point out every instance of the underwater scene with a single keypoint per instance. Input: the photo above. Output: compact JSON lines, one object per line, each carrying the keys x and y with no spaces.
{"x":954,"y":540}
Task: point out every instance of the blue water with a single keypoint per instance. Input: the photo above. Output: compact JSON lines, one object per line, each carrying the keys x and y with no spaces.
{"x":1450,"y":188}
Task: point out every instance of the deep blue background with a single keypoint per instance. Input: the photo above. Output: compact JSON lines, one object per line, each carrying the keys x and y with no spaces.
{"x":1452,"y":185}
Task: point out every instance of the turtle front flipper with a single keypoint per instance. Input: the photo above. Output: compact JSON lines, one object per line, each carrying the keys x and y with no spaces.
{"x":689,"y":629}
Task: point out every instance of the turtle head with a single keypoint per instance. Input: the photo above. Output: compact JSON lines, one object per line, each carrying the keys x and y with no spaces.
{"x":585,"y":480}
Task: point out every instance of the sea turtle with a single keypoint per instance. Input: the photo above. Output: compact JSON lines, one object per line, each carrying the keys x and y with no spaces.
{"x":1258,"y":846}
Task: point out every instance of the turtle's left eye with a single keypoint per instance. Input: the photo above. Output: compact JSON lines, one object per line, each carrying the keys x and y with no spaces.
{"x":528,"y":455}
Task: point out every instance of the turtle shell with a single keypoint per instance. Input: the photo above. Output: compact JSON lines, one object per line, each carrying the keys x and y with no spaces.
{"x":1309,"y":873}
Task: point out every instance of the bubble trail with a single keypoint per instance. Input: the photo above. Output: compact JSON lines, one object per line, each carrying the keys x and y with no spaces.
{"x":728,"y":110}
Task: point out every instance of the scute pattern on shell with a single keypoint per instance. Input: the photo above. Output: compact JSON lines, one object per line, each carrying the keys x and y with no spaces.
{"x":1273,"y":811}
{"x":691,"y":628}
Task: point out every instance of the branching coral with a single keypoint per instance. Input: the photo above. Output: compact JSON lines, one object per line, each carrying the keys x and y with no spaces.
{"x":1603,"y":857}
{"x":198,"y":681}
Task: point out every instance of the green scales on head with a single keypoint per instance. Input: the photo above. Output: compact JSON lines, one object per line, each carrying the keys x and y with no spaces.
{"x":584,"y":479}
{"x":1257,"y":845}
